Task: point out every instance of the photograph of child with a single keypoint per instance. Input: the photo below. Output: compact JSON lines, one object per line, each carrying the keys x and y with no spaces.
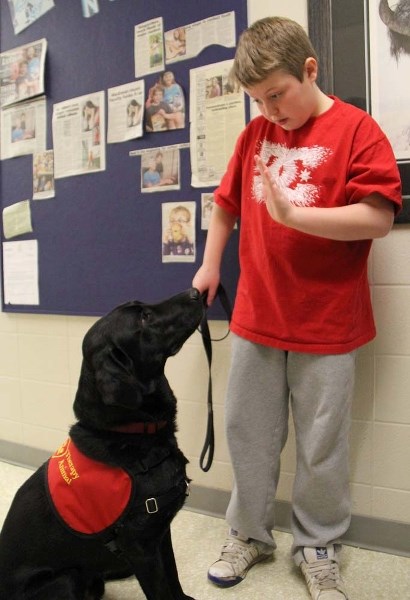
{"x":178,"y":232}
{"x":160,"y":170}
{"x":165,"y":105}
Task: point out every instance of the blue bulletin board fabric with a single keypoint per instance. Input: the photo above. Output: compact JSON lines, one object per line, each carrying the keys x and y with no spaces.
{"x":99,"y":239}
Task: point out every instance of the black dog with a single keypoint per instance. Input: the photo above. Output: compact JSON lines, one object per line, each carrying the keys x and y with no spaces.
{"x":121,"y":461}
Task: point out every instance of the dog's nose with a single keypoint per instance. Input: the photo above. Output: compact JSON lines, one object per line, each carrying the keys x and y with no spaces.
{"x":195,"y":294}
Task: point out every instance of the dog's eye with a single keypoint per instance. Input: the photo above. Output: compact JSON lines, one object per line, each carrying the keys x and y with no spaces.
{"x":145,"y":315}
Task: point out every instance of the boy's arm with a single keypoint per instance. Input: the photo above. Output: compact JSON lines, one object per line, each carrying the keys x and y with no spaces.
{"x":208,"y":275}
{"x":371,"y":218}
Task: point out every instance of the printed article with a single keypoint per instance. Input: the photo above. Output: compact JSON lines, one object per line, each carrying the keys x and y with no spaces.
{"x":23,"y":128}
{"x":78,"y":135}
{"x":188,"y":41}
{"x":22,"y":72}
{"x":125,"y":112}
{"x":20,"y":272}
{"x":149,"y":47}
{"x":217,"y":110}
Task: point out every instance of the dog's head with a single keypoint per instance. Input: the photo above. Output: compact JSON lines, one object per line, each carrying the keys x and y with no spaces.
{"x":124,"y":355}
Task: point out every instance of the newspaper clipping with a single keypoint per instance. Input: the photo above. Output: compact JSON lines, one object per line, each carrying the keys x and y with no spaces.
{"x":20,"y":272}
{"x":23,"y":128}
{"x":125,"y":112}
{"x":160,"y":171}
{"x":217,"y":110}
{"x":188,"y":41}
{"x":22,"y":72}
{"x":149,"y":47}
{"x":78,"y":135}
{"x":43,"y":175}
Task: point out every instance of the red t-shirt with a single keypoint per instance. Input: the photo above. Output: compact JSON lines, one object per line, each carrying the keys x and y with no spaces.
{"x":298,"y":291}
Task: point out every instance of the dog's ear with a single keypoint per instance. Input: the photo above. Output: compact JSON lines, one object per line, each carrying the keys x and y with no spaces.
{"x":116,"y":379}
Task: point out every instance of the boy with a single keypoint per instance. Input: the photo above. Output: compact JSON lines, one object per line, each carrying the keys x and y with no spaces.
{"x":313,"y":181}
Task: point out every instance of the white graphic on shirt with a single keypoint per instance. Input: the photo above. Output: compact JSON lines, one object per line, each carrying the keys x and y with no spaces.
{"x":292,"y":169}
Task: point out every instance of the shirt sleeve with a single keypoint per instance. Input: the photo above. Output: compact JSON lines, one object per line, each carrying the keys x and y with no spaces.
{"x":373,"y":167}
{"x":228,"y":194}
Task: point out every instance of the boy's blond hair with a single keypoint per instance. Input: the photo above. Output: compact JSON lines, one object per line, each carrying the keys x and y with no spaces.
{"x":270,"y":44}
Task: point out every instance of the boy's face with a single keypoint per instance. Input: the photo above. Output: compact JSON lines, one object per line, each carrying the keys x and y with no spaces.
{"x":284,"y":100}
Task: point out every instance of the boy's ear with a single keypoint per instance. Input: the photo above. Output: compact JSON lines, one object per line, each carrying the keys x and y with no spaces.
{"x":311,"y":68}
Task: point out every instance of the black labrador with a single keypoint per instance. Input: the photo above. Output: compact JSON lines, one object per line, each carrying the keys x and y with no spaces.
{"x":102,"y":505}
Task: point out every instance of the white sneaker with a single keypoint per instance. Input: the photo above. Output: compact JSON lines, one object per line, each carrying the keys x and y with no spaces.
{"x":322,"y":575}
{"x":238,"y":555}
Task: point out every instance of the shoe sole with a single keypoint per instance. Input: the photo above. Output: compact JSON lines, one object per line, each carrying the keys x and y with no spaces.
{"x":225,"y":582}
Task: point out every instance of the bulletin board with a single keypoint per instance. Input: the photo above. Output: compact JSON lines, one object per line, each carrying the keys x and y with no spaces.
{"x":99,"y":239}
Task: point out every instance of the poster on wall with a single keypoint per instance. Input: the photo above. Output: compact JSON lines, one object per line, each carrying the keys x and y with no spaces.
{"x":389,"y":72}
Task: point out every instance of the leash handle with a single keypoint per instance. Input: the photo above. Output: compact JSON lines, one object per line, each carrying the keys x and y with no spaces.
{"x":207,"y":454}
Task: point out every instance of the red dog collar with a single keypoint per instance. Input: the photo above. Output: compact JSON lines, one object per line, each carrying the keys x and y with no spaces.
{"x":139,"y":427}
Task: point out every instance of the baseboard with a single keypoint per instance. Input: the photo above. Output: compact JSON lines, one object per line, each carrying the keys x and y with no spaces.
{"x":381,"y":535}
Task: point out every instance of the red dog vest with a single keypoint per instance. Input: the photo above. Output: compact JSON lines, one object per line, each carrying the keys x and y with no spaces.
{"x":88,"y":495}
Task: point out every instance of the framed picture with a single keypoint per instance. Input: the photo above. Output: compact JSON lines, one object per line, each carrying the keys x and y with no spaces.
{"x":357,"y":51}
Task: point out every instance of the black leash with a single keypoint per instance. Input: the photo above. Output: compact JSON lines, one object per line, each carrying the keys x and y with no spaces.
{"x":209,"y":445}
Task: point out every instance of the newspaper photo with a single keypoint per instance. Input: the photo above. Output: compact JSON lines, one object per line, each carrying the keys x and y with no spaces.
{"x":23,"y":128}
{"x":25,"y":12}
{"x":125,"y":112}
{"x":165,"y":104}
{"x":188,"y":41}
{"x":160,"y":170}
{"x":178,"y":232}
{"x":22,"y":72}
{"x":217,"y":110}
{"x":43,"y":175}
{"x":79,"y":135}
{"x":149,"y":47}
{"x":207,"y":204}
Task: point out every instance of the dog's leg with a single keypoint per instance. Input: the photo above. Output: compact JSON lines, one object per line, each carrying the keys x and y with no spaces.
{"x":69,"y":585}
{"x":168,"y":559}
{"x":148,"y":568}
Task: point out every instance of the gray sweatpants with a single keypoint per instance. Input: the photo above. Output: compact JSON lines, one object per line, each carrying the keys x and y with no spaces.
{"x":263,"y":381}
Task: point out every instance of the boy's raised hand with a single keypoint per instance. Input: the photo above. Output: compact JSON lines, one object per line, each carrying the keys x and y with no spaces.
{"x":278,"y":205}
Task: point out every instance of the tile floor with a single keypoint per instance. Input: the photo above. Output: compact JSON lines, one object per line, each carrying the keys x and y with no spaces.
{"x":197,"y":539}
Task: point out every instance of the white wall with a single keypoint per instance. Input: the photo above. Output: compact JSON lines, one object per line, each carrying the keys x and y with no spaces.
{"x":40,"y":358}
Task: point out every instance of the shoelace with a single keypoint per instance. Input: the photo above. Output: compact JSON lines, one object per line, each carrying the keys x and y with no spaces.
{"x":325,"y":574}
{"x":235,"y":550}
